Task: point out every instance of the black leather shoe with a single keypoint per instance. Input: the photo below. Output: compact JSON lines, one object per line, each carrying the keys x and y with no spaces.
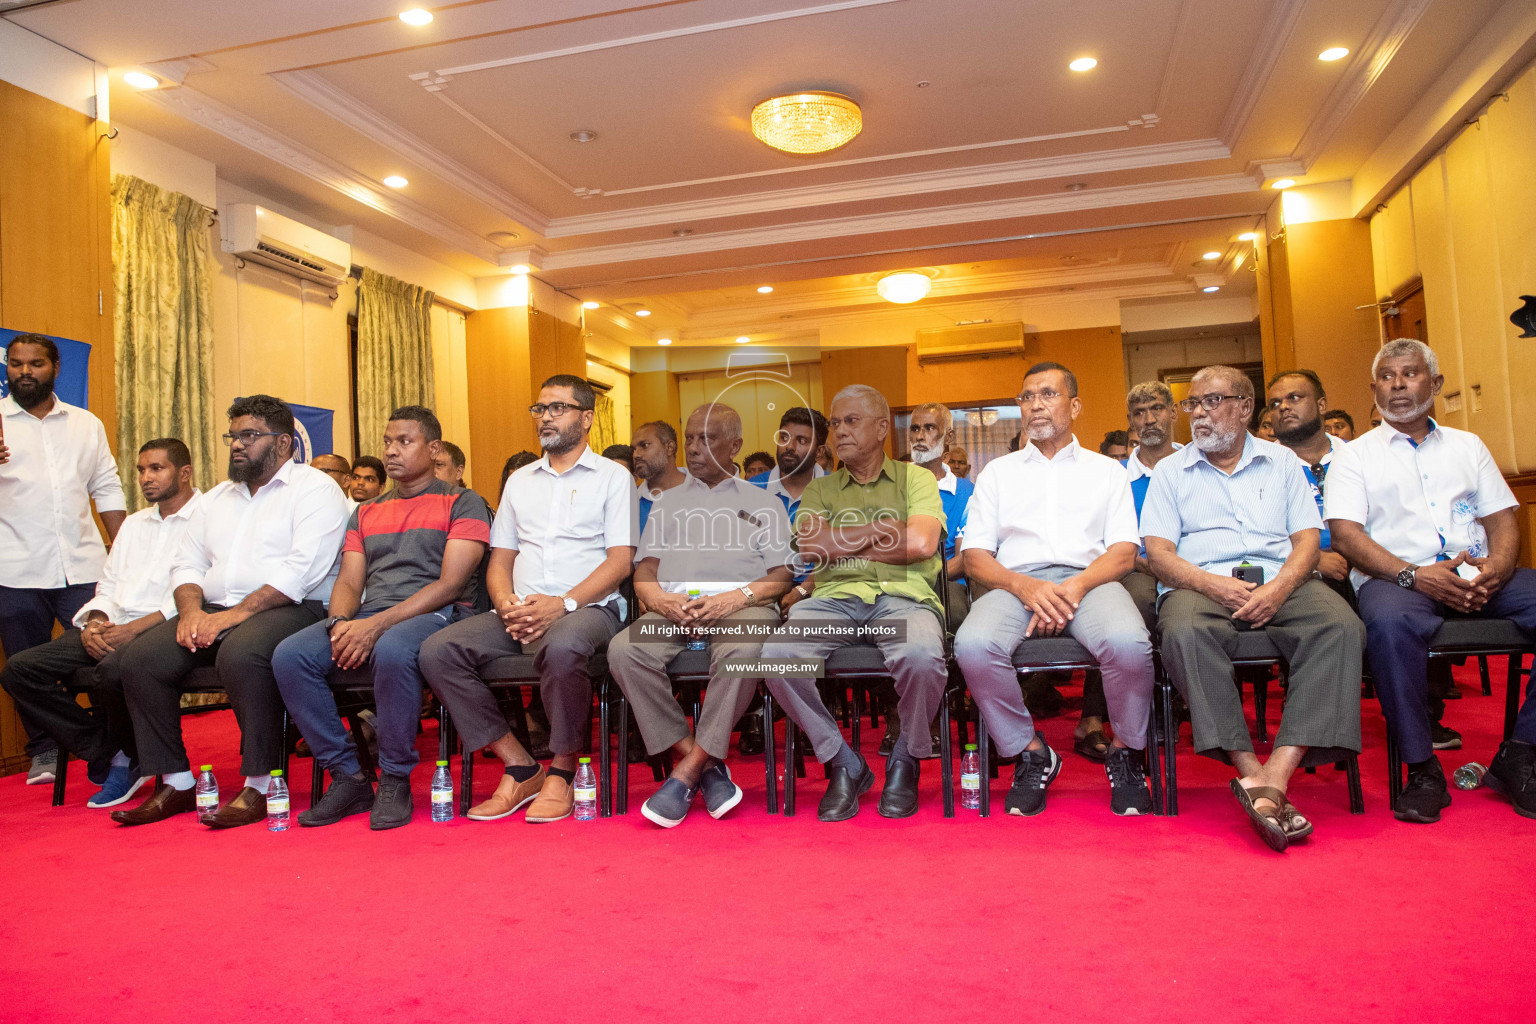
{"x":899,"y":797}
{"x":346,"y":796}
{"x":392,"y":807}
{"x":841,"y":800}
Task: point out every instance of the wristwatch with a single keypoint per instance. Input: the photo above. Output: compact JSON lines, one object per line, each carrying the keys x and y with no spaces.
{"x":1405,"y":577}
{"x":802,"y":590}
{"x":751,"y":597}
{"x":330,"y":623}
{"x":570,"y":603}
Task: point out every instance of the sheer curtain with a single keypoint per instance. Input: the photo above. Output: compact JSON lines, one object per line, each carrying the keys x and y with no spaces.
{"x":163,"y":327}
{"x":603,"y":431}
{"x":394,"y":353}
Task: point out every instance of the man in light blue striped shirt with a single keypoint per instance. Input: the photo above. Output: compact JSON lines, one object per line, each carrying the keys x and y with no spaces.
{"x":1231,"y":500}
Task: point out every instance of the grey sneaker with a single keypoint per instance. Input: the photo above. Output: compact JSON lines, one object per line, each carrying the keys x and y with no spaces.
{"x":721,"y":793}
{"x":44,"y":767}
{"x":668,"y":806}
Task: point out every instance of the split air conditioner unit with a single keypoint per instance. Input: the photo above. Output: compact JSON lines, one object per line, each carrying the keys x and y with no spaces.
{"x":969,"y":341}
{"x":261,"y":236}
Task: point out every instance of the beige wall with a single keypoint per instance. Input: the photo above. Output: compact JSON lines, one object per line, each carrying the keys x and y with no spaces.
{"x":1466,"y":225}
{"x":760,"y":399}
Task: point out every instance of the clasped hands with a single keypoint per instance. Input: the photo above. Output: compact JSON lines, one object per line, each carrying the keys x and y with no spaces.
{"x":528,"y":618}
{"x":1052,"y":605}
{"x":682,"y":610}
{"x":1441,"y":582}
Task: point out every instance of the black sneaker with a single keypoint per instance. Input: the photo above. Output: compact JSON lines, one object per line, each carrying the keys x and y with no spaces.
{"x":1127,"y":782}
{"x":1512,"y":774}
{"x":668,"y":806}
{"x":721,"y":793}
{"x":346,"y":796}
{"x":1036,"y":771}
{"x":1443,"y":738}
{"x":1425,"y":796}
{"x":392,"y":807}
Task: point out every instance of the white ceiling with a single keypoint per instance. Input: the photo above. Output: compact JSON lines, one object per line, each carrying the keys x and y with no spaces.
{"x":1168,"y":144}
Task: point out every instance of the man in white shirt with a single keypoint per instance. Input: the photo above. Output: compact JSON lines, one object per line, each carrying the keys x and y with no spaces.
{"x":54,"y":461}
{"x":714,"y":554}
{"x":1052,"y":565}
{"x":562,"y":542}
{"x":1428,"y":522}
{"x":256,"y":566}
{"x":134,"y":594}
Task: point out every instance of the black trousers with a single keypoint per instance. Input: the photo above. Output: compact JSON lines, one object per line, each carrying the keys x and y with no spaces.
{"x":26,"y":620}
{"x":153,"y":679}
{"x":36,"y":677}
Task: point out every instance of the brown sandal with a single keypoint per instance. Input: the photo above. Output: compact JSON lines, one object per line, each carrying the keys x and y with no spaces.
{"x":1296,"y":825}
{"x":1090,"y":745}
{"x":1266,"y":824}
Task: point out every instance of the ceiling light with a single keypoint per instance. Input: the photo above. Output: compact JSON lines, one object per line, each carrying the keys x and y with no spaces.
{"x":807,"y":122}
{"x":642,"y":312}
{"x":1212,"y":255}
{"x":503,"y":237}
{"x":141,"y":80}
{"x":1334,"y":53}
{"x":589,"y":304}
{"x":583,"y":135}
{"x":908,"y":286}
{"x":519,"y":268}
{"x":416,"y":16}
{"x":1076,"y":186}
{"x":1283,"y":183}
{"x":1211,"y":288}
{"x":1083,"y":64}
{"x":663,"y":341}
{"x":765,"y":289}
{"x":1248,"y":236}
{"x":743,"y":340}
{"x":682,"y":232}
{"x":395,"y":181}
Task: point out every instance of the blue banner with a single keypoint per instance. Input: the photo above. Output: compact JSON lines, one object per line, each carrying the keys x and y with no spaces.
{"x":312,"y":430}
{"x":73,"y":382}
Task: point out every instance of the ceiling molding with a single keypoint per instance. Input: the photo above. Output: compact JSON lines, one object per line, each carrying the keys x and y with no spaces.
{"x":1275,"y":167}
{"x":906,"y":220}
{"x":253,"y":135}
{"x":318,"y":91}
{"x":922,"y":182}
{"x":1180,"y":31}
{"x":1283,"y":15}
{"x":1387,"y":36}
{"x":176,"y":71}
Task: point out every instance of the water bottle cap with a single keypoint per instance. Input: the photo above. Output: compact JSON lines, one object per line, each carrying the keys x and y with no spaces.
{"x":277,"y":773}
{"x":442,"y":764}
{"x":970,"y":746}
{"x":207,"y":768}
{"x":583,"y":760}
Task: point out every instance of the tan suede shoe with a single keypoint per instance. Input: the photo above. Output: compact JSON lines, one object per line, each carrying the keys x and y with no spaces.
{"x":556,"y":800}
{"x":510,"y":796}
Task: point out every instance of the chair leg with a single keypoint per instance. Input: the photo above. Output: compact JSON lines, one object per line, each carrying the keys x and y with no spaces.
{"x":316,"y":780}
{"x":984,"y":748}
{"x":1261,"y":704}
{"x":466,"y":777}
{"x":1482,"y":672}
{"x":1394,"y":771}
{"x":59,"y":772}
{"x":770,"y":777}
{"x":1170,"y":751}
{"x":1153,"y":756}
{"x":621,"y":795}
{"x":1512,"y":690}
{"x":1356,"y":794}
{"x":789,"y":766}
{"x":947,"y":767}
{"x":287,"y":747}
{"x":856,"y":701}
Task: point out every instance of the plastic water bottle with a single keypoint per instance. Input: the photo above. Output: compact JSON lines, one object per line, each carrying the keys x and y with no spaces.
{"x":1469,"y":776}
{"x":696,"y":643}
{"x":207,"y":792}
{"x":277,"y":803}
{"x":585,"y":790}
{"x":970,"y":778}
{"x":442,"y":793}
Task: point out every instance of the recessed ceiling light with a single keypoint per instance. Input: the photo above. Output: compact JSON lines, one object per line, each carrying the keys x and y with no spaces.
{"x":589,"y":304}
{"x":1334,"y":53}
{"x":1283,"y":183}
{"x":584,"y":135}
{"x":1083,"y":64}
{"x":519,"y":268}
{"x":1211,"y":288}
{"x":642,"y":312}
{"x":416,"y":16}
{"x":1248,"y":236}
{"x":682,"y":232}
{"x":765,"y":289}
{"x":1076,"y":186}
{"x":503,"y":237}
{"x":395,"y":181}
{"x":141,"y":80}
{"x":663,"y":341}
{"x":743,"y":340}
{"x":1212,"y":255}
{"x":904,"y":287}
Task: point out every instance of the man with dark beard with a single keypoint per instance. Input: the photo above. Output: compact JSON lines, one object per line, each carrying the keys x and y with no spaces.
{"x":1296,"y":404}
{"x":256,"y":566}
{"x":54,"y":461}
{"x":655,"y":457}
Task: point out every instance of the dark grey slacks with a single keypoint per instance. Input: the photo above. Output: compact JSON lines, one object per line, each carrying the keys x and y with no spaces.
{"x":1316,"y":633}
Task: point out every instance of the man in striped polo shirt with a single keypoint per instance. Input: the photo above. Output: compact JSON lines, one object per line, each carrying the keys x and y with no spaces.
{"x":408,"y":568}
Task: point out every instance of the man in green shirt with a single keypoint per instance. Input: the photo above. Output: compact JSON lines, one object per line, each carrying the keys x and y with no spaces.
{"x":874,"y":532}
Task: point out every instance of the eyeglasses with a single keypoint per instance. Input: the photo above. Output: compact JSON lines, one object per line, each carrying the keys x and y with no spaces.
{"x":1047,"y":396}
{"x":555,"y":409}
{"x":248,"y":437}
{"x":1208,"y":402}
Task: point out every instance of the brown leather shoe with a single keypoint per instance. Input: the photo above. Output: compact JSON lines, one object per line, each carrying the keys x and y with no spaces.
{"x":510,"y":796}
{"x":556,"y":800}
{"x":247,"y":808}
{"x":164,"y":802}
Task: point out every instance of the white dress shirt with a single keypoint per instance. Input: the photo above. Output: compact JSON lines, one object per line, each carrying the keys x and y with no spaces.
{"x":562,"y":524}
{"x":287,"y":535}
{"x":645,"y":490}
{"x":715,"y":539}
{"x":1422,"y":502}
{"x":137,"y":580}
{"x":1031,"y":511}
{"x":58,"y":465}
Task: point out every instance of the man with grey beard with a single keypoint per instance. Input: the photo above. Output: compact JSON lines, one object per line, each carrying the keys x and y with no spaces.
{"x":1231,"y":530}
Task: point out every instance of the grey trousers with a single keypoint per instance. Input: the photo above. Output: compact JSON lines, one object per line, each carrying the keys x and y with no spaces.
{"x":641,"y":671}
{"x":1143,"y":590}
{"x":1106,"y":623}
{"x":916,"y":665}
{"x":451,"y":660}
{"x":1321,"y":640}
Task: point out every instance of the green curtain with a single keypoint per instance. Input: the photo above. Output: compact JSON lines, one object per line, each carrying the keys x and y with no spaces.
{"x":394,"y":353}
{"x":164,"y":327}
{"x":603,"y":433}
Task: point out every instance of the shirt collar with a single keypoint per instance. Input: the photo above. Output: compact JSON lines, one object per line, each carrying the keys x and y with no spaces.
{"x":730,"y":483}
{"x":887,"y":469}
{"x":1393,"y":434}
{"x":1031,"y":453}
{"x":949,"y":483}
{"x":1253,"y":448}
{"x":587,"y":458}
{"x":181,"y":513}
{"x":10,"y":407}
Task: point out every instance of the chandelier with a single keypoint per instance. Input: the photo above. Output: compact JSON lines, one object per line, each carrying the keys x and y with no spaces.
{"x":807,"y":122}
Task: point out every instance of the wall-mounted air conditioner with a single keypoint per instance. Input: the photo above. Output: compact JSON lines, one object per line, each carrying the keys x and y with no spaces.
{"x":970,"y":340}
{"x":261,"y":236}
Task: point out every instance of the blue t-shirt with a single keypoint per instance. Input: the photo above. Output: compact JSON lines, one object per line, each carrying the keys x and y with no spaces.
{"x":955,"y":508}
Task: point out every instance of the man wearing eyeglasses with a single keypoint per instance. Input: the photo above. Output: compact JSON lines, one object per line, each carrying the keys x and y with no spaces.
{"x":562,"y":542}
{"x":1231,"y":506}
{"x":256,"y":566}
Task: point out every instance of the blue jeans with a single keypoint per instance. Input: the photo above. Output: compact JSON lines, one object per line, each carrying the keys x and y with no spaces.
{"x":304,"y":667}
{"x":26,"y":620}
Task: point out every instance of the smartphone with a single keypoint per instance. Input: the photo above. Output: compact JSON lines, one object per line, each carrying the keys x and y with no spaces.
{"x":1249,"y":574}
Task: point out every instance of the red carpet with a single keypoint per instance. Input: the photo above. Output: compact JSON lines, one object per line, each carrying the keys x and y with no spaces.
{"x":1074,"y":915}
